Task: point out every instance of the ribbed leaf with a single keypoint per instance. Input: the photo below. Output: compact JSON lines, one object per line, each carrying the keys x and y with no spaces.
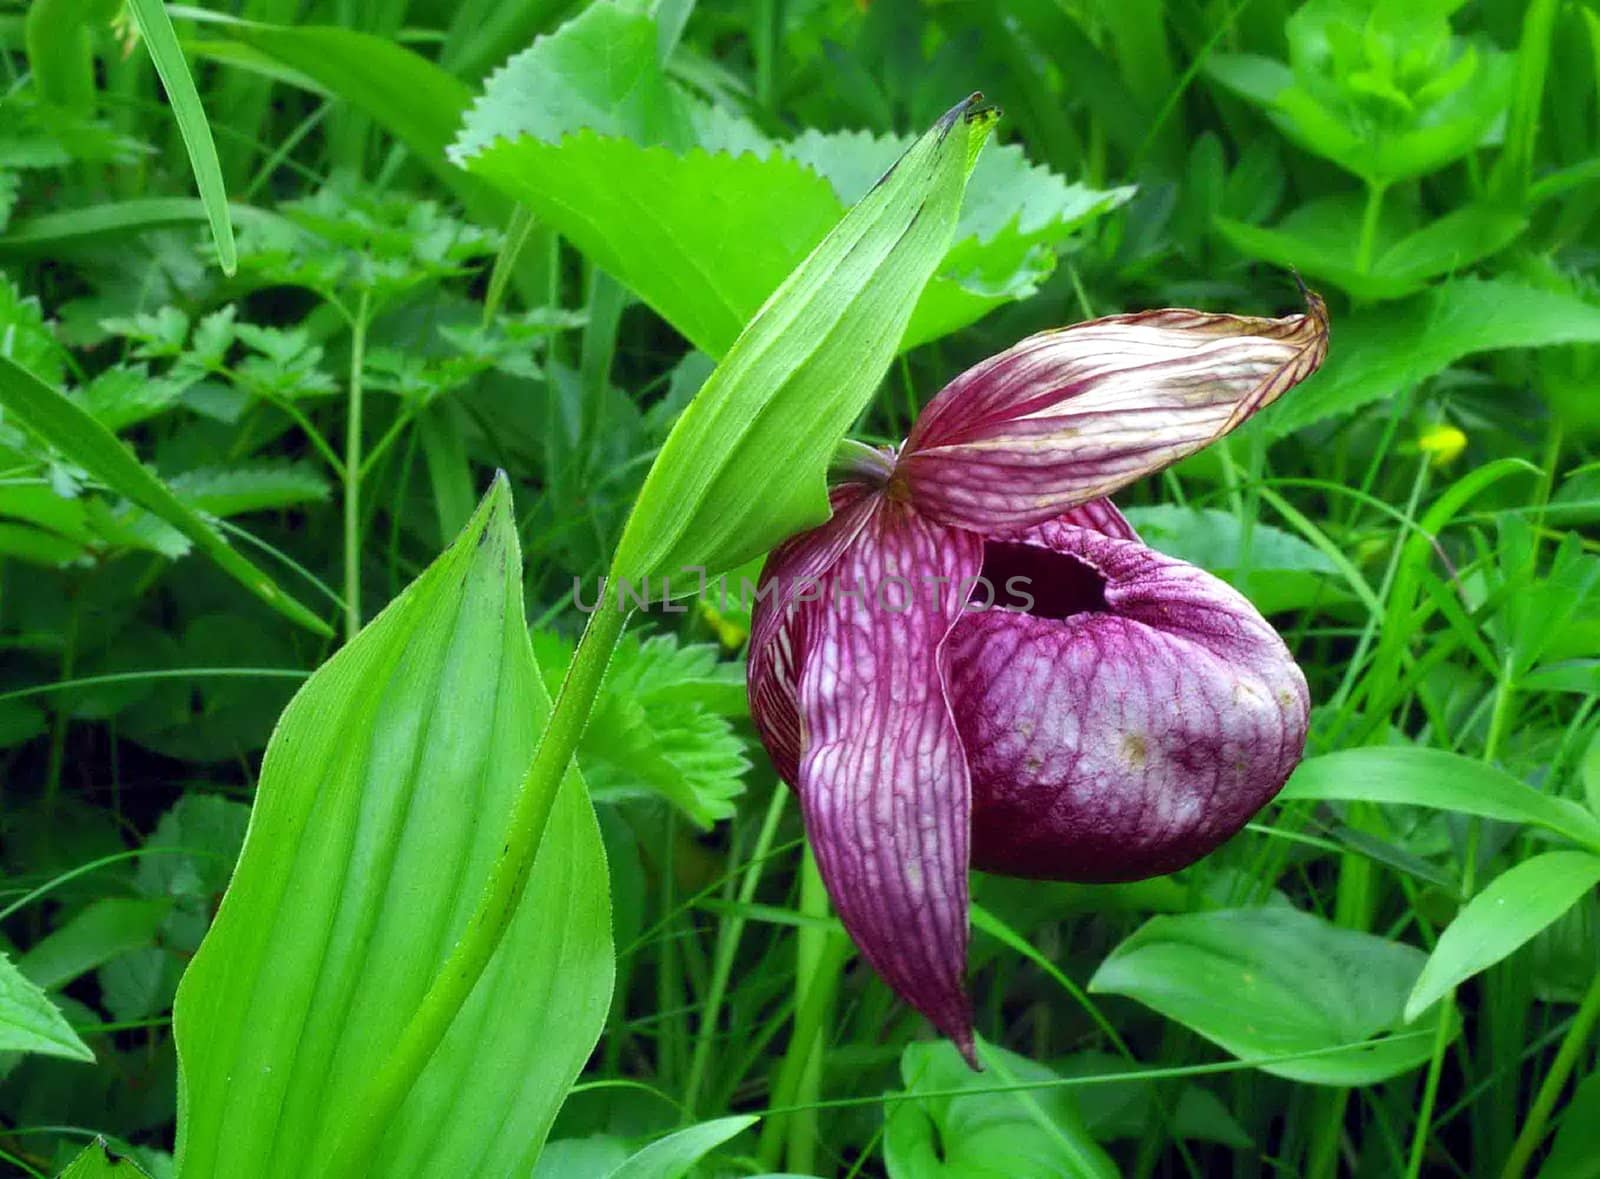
{"x":800,"y":371}
{"x":380,"y":811}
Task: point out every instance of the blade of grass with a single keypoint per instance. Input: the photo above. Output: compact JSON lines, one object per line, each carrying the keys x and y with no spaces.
{"x":155,"y":28}
{"x":50,"y":415}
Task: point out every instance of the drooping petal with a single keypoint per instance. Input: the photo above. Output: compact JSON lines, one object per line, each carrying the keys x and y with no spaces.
{"x":1130,"y":723}
{"x":883,"y":780}
{"x":1071,"y":415}
{"x":788,"y":603}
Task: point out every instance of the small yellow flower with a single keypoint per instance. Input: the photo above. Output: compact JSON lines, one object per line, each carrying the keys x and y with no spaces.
{"x":1443,"y":443}
{"x":730,"y":633}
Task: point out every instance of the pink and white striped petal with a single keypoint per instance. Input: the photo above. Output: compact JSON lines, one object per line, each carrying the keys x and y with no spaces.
{"x":788,"y":602}
{"x":1071,"y":415}
{"x":883,"y":779}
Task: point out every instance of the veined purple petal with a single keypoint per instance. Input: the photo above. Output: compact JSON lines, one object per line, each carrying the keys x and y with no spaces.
{"x":788,"y":603}
{"x":1072,"y":415}
{"x":882,"y":778}
{"x":1130,"y":724}
{"x":1101,"y":515}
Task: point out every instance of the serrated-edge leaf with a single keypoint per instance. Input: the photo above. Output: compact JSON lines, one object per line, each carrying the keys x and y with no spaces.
{"x":29,"y":1022}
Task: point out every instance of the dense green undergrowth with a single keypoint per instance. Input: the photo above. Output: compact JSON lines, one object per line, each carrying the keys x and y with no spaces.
{"x":517,"y":237}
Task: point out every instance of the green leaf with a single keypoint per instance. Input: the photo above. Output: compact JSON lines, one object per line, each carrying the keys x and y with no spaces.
{"x":701,"y":214}
{"x":1381,"y":351}
{"x":672,"y":1156}
{"x":19,"y":720}
{"x":1275,"y":569}
{"x":985,"y":1135}
{"x":86,"y":442}
{"x":25,"y":338}
{"x":600,"y":71}
{"x":155,"y":28}
{"x":379,"y":814}
{"x":96,"y":1161}
{"x":233,"y":491}
{"x":800,"y":373}
{"x":411,"y":97}
{"x":1274,"y":982}
{"x":660,"y":724}
{"x":1514,"y":907}
{"x":598,"y":1154}
{"x":1589,"y":770}
{"x":94,"y":936}
{"x":1433,"y":778}
{"x":29,"y":1022}
{"x":1127,"y":1109}
{"x":94,"y":225}
{"x":1320,"y":240}
{"x":1577,"y":1143}
{"x":720,"y":233}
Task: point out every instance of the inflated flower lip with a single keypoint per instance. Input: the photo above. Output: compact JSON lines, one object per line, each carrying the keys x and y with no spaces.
{"x":975,"y":662}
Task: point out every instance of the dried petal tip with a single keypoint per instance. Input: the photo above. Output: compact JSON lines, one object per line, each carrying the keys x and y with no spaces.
{"x":1077,"y":413}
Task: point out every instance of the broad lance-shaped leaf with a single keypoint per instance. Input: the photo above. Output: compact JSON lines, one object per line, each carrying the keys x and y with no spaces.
{"x":1504,"y":916}
{"x":801,"y":371}
{"x":1289,"y":992}
{"x":379,"y":813}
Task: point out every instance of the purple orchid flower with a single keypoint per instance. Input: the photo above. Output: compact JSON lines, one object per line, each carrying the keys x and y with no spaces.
{"x":976,"y":662}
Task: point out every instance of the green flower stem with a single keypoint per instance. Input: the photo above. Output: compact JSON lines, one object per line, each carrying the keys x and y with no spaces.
{"x":1573,"y":1045}
{"x":352,"y":474}
{"x":497,"y":903}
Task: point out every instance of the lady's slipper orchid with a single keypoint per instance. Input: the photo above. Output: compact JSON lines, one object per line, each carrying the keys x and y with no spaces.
{"x":975,"y":661}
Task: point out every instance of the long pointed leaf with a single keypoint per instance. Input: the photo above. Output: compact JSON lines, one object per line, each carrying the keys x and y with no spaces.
{"x":155,"y":27}
{"x":379,"y":814}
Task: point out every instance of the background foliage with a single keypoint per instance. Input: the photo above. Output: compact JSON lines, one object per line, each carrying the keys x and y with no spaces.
{"x":460,"y":238}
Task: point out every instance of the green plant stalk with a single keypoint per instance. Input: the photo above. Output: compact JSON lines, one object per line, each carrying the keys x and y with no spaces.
{"x":1430,"y":1093}
{"x":728,"y":938}
{"x":352,"y":474}
{"x":497,"y":904}
{"x":821,"y":980}
{"x":1369,"y":227}
{"x":1573,"y":1045}
{"x":819,"y":961}
{"x":58,"y":729}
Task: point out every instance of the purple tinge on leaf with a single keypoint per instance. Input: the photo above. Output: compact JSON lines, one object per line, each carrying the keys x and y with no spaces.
{"x":1072,"y":415}
{"x":975,"y":661}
